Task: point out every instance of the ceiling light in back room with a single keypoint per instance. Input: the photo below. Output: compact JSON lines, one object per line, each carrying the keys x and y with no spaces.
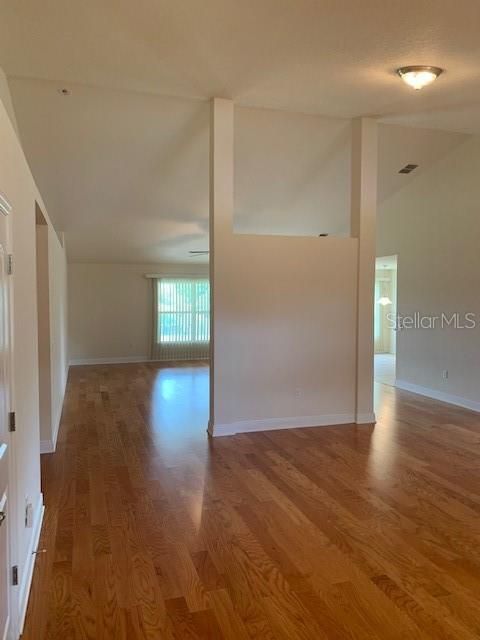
{"x":419,"y":76}
{"x":384,"y":301}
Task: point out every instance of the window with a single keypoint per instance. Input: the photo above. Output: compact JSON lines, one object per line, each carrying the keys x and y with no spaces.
{"x":182,"y":318}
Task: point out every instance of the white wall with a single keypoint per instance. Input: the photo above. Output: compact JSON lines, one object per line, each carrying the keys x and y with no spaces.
{"x":434,"y":226}
{"x":17,"y":184}
{"x":285,"y":332}
{"x":285,"y":336}
{"x":292,"y":173}
{"x":111,"y":309}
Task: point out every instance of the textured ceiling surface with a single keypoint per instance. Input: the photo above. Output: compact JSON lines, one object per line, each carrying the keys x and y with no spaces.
{"x":334,"y":57}
{"x":122,"y":162}
{"x":125,"y":174}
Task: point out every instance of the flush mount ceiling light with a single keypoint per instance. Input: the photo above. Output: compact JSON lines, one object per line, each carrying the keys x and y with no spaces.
{"x":418,"y":76}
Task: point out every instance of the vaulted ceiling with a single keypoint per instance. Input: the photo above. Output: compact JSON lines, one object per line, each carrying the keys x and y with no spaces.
{"x":122,"y":162}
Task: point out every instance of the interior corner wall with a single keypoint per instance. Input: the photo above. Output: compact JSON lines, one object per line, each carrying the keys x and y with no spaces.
{"x":58,"y":299}
{"x":433,"y":225}
{"x":44,"y":346}
{"x":52,"y":332}
{"x":111,"y":309}
{"x":18,"y":186}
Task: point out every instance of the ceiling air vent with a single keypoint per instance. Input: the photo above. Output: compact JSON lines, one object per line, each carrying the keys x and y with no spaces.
{"x":408,"y":168}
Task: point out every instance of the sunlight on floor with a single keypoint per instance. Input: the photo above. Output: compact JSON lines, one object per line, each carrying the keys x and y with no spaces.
{"x":385,"y":368}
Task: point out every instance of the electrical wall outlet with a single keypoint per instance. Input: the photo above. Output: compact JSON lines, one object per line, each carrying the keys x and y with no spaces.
{"x":445,"y":374}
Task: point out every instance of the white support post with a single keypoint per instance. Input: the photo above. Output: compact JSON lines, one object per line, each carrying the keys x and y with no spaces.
{"x":221,"y":221}
{"x":363,"y":221}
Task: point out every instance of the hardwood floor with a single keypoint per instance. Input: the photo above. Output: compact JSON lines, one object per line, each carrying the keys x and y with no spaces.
{"x":154,"y":531}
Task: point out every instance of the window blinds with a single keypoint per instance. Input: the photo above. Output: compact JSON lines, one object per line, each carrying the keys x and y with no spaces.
{"x":181,"y":319}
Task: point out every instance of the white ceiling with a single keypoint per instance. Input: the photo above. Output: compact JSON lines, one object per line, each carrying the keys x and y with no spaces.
{"x":124,"y":174}
{"x":334,"y":57}
{"x":124,"y":169}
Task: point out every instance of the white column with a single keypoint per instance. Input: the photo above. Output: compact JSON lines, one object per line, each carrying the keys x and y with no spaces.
{"x":363,"y":222}
{"x":221,"y":221}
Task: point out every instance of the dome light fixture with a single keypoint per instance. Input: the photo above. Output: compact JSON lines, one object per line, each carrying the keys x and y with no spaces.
{"x":384,"y":301}
{"x":418,"y":76}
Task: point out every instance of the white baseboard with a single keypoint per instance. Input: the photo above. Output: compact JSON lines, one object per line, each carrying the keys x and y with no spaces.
{"x":449,"y":398}
{"x":121,"y":360}
{"x":47,"y":446}
{"x":273,"y":424}
{"x":365,"y":418}
{"x":27,"y":573}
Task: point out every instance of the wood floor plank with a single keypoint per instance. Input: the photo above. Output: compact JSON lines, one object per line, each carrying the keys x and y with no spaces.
{"x":153,"y":531}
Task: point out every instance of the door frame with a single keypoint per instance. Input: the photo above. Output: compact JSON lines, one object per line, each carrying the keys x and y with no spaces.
{"x":12,"y":633}
{"x":392,"y":258}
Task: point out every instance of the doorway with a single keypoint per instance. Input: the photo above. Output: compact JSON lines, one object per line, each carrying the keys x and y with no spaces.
{"x":384,"y":313}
